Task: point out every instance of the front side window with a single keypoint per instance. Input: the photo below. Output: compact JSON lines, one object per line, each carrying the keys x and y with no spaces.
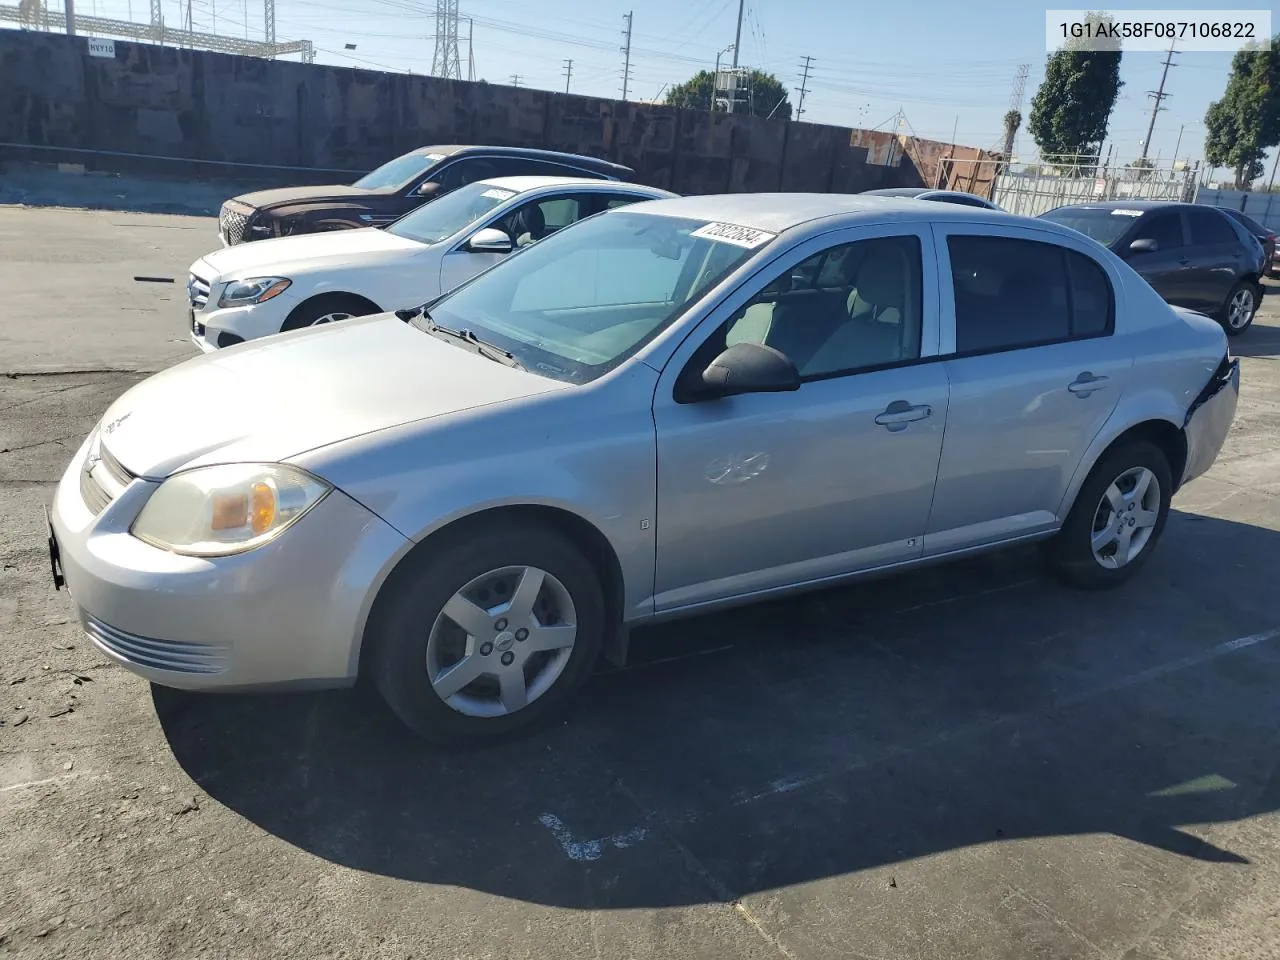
{"x":851,"y":307}
{"x":1012,"y":293}
{"x":541,"y":218}
{"x":399,"y":172}
{"x":1164,"y":228}
{"x":446,"y":215}
{"x":578,"y":304}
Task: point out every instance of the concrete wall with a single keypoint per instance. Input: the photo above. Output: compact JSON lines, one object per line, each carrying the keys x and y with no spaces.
{"x":315,"y":123}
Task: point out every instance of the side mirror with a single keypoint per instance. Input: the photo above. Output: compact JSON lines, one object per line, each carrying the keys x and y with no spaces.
{"x":428,"y":188}
{"x":1145,"y":245}
{"x":489,"y":240}
{"x":748,"y":368}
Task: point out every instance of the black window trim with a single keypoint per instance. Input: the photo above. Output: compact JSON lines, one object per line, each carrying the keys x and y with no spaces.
{"x":1071,"y":315}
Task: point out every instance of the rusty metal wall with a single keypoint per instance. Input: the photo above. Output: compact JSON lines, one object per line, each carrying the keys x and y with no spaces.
{"x":214,"y":114}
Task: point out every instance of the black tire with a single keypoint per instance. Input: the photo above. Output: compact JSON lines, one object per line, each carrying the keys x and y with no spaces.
{"x":1070,"y":553}
{"x":1225,"y":312}
{"x":308,"y":312}
{"x":398,"y":664}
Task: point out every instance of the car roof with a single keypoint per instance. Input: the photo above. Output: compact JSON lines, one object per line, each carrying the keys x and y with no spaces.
{"x":457,"y":149}
{"x":897,"y":192}
{"x":776,"y":212}
{"x":1143,"y":205}
{"x":525,"y":184}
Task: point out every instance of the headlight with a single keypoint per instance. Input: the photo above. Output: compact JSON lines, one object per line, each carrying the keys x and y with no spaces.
{"x":256,"y":290}
{"x":226,"y":509}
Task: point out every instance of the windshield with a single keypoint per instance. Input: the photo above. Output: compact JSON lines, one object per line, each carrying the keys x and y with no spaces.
{"x":445,"y":216}
{"x":398,"y":171}
{"x":1104,"y":224}
{"x":576,"y":304}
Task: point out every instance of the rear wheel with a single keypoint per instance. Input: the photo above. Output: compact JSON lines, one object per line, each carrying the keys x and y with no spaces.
{"x":1117,"y":518}
{"x":491,"y":634}
{"x":1241,"y":304}
{"x":329,"y":308}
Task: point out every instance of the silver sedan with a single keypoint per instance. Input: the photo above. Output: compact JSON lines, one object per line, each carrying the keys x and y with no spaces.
{"x":666,"y":408}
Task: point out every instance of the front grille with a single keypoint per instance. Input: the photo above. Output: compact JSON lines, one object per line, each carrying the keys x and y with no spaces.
{"x":102,"y":479}
{"x":197,"y":291}
{"x":202,"y":658}
{"x":95,"y":498}
{"x":231,"y":224}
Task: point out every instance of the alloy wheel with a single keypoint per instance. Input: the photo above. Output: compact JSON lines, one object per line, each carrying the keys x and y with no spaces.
{"x":331,"y":318}
{"x":1240,"y":310}
{"x":501,"y":641}
{"x":1126,"y":518}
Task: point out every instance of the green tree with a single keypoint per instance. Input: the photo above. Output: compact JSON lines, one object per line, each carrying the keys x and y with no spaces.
{"x":1070,"y":111}
{"x":763,"y":96}
{"x":1246,"y":121}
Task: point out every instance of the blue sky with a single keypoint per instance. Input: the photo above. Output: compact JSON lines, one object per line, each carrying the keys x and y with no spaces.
{"x":947,"y":65}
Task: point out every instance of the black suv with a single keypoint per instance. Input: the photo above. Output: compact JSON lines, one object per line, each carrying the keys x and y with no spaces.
{"x":395,"y":188}
{"x":1194,"y":256}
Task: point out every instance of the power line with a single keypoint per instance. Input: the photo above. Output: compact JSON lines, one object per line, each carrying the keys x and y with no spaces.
{"x":804,"y":85}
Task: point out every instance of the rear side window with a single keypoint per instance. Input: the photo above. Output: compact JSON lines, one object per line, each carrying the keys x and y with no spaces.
{"x":1210,"y":227}
{"x":1164,"y":228}
{"x":1012,"y":293}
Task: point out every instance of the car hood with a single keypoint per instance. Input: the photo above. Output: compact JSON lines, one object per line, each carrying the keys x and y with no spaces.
{"x":285,"y":196}
{"x":277,"y":397}
{"x":287,"y":256}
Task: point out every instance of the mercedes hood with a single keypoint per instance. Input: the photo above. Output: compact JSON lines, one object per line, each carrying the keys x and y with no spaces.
{"x":287,"y":256}
{"x":271,"y":399}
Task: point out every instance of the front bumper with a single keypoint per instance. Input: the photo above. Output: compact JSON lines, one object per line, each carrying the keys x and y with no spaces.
{"x":291,"y":612}
{"x":1209,"y":418}
{"x":211,"y":327}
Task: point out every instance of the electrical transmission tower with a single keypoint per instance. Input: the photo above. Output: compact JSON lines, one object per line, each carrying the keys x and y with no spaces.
{"x":804,"y":86}
{"x":626,"y":56}
{"x":1015,"y":106}
{"x":1159,"y":96}
{"x":445,"y":62}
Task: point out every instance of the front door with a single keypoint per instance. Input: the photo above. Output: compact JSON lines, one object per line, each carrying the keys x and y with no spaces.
{"x":763,"y":491}
{"x":1035,"y":372}
{"x":1167,"y":269}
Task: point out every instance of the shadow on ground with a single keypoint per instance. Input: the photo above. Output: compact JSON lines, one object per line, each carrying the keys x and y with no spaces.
{"x":854,"y":728}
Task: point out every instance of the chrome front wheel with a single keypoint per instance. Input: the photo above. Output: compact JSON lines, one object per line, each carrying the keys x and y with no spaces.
{"x":333,"y":317}
{"x":1237,"y":313}
{"x":501,"y":641}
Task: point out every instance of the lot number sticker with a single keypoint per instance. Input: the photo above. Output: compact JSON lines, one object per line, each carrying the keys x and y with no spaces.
{"x":747,"y":237}
{"x":495,"y":194}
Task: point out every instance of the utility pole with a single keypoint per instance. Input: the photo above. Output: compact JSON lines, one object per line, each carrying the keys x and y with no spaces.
{"x":626,"y":55}
{"x":515,"y":79}
{"x":1270,"y":186}
{"x":70,"y":9}
{"x":804,"y":85}
{"x":1158,"y":96}
{"x":568,"y":73}
{"x":737,"y":42}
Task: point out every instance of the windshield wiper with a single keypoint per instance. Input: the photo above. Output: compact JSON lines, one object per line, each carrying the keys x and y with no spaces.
{"x":487,"y":350}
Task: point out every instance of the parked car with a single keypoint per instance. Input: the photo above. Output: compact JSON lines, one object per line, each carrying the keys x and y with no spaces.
{"x":644,"y":416}
{"x":395,"y":188}
{"x":249,"y":291}
{"x":1260,"y":233}
{"x":1194,"y":256}
{"x":927,"y":193}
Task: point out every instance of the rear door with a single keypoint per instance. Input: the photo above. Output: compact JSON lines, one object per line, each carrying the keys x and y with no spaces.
{"x":1034,"y":372}
{"x":1217,"y":258}
{"x":1167,"y":269}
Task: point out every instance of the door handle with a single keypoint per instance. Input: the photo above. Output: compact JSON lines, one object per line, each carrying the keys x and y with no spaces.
{"x":900,"y":413}
{"x":1086,"y":384}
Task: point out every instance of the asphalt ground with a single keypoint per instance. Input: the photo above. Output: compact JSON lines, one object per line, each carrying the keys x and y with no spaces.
{"x":970,"y":761}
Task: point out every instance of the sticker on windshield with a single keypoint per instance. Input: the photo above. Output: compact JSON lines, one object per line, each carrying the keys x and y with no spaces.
{"x":494,"y":193}
{"x":435,"y":157}
{"x":1122,"y":212}
{"x":748,"y":237}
